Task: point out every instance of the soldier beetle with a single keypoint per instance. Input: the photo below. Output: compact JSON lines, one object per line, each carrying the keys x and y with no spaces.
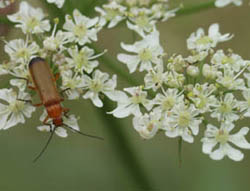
{"x":45,"y":85}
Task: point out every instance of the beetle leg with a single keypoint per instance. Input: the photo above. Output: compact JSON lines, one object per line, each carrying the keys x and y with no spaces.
{"x":62,"y":91}
{"x":22,"y":78}
{"x":65,"y":112}
{"x":29,"y":101}
{"x":56,"y":76}
{"x":31,"y":87}
{"x":27,"y":82}
{"x":45,"y":122}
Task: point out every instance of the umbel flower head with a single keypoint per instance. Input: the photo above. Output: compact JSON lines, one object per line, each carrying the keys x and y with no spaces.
{"x":176,"y":97}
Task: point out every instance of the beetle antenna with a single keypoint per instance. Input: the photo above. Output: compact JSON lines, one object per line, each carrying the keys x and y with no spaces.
{"x":84,"y":134}
{"x":46,"y":145}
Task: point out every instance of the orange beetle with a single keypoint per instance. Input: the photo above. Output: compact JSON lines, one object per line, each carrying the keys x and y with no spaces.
{"x":45,"y":85}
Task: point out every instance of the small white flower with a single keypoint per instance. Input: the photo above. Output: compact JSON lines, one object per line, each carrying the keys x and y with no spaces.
{"x":82,"y":60}
{"x":71,"y":121}
{"x":174,"y":79}
{"x":56,"y":41}
{"x":155,"y":77}
{"x":225,"y":110}
{"x":74,"y":82}
{"x":210,"y":72}
{"x":14,"y":112}
{"x":140,"y":21}
{"x":165,"y":102}
{"x":169,"y":14}
{"x":232,"y":61}
{"x":30,"y":19}
{"x":83,"y":30}
{"x":193,"y":71}
{"x":161,"y":11}
{"x":131,"y":105}
{"x":202,"y":97}
{"x":147,"y":52}
{"x":229,"y":80}
{"x":197,"y":57}
{"x":200,"y":42}
{"x":182,"y":119}
{"x":223,"y":3}
{"x":20,"y":72}
{"x":112,"y":13}
{"x":147,"y":125}
{"x":100,"y":83}
{"x":177,"y":63}
{"x":20,"y":51}
{"x":59,"y":3}
{"x":222,"y":136}
{"x":6,"y":66}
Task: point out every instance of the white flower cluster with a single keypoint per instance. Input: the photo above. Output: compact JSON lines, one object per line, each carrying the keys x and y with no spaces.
{"x":223,"y":3}
{"x":179,"y":96}
{"x":182,"y":93}
{"x":68,"y":52}
{"x":140,"y":15}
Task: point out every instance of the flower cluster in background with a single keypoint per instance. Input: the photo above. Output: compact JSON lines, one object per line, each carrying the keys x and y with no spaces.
{"x":180,"y":93}
{"x":223,"y":3}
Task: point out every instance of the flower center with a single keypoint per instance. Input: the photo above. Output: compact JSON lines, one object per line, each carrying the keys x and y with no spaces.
{"x":222,"y":136}
{"x":137,"y":98}
{"x":80,"y":30}
{"x":81,"y":60}
{"x":96,"y":86}
{"x":32,"y":23}
{"x":204,"y":40}
{"x":150,"y":126}
{"x":168,"y":103}
{"x":184,"y":119}
{"x":145,"y":55}
{"x":225,"y":108}
{"x":111,"y":13}
{"x":228,"y":82}
{"x":142,"y":21}
{"x":16,"y":106}
{"x":23,"y":53}
{"x":227,"y":60}
{"x":203,"y":102}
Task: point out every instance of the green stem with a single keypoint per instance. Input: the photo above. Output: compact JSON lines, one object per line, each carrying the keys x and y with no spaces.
{"x":196,"y":8}
{"x":179,"y":151}
{"x":123,"y":148}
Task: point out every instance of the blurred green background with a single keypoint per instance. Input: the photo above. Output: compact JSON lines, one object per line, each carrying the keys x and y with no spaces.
{"x":123,"y":162}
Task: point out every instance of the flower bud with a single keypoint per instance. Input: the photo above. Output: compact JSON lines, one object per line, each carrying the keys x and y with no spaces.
{"x":209,"y":72}
{"x":193,"y":71}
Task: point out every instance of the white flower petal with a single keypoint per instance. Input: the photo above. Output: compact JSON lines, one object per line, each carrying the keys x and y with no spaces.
{"x":239,"y":140}
{"x":61,"y":132}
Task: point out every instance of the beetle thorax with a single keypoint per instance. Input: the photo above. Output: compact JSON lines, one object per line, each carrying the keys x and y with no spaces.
{"x":55,"y":112}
